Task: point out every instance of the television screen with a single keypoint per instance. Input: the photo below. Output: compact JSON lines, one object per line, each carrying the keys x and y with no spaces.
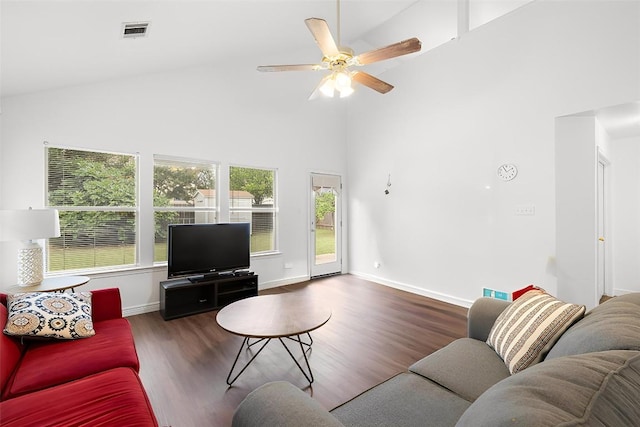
{"x":195,"y":249}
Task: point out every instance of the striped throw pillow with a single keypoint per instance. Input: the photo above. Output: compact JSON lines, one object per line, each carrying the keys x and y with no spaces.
{"x":527,"y":329}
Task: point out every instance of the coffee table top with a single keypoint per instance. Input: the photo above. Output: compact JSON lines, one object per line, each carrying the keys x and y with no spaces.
{"x":273,"y":316}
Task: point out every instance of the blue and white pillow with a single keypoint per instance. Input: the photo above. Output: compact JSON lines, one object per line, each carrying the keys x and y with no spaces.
{"x":49,"y":315}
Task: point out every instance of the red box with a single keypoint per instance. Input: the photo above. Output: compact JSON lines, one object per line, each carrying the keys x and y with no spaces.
{"x":517,"y":294}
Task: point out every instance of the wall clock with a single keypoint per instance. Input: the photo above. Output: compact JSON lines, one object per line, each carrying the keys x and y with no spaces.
{"x":507,"y":172}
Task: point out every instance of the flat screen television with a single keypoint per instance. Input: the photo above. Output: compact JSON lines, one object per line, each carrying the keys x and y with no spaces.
{"x":207,"y":249}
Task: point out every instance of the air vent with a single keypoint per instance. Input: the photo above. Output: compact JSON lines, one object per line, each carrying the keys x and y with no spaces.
{"x":134,"y":29}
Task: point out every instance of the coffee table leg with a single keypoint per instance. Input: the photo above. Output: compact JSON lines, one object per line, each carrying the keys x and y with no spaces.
{"x":309,"y":344}
{"x":245,"y":341}
{"x":304,"y":354}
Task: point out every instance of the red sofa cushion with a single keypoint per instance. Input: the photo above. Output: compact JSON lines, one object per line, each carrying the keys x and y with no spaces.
{"x":105,"y":304}
{"x":112,"y":398}
{"x":10,"y":351}
{"x":49,"y":363}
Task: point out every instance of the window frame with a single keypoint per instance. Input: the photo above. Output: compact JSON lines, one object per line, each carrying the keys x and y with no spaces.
{"x":274,"y":210}
{"x":185,"y":161}
{"x":66,"y":208}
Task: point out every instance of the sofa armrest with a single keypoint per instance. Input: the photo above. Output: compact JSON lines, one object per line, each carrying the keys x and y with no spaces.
{"x":106,"y":304}
{"x":482,"y":315}
{"x":283,"y":405}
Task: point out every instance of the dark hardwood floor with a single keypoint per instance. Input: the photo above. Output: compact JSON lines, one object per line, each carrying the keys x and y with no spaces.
{"x":374,"y":333}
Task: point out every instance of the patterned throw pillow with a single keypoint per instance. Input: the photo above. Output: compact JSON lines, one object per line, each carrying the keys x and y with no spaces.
{"x":526,"y":330}
{"x":50,"y":315}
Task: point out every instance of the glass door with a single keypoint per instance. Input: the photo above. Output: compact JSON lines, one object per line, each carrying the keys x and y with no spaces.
{"x":326,"y":225}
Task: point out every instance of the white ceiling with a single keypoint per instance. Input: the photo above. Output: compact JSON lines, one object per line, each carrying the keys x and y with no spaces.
{"x":48,"y":44}
{"x":620,"y":121}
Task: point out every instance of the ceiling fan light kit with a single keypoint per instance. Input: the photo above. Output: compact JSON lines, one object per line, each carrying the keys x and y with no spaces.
{"x":337,"y":59}
{"x":337,"y":80}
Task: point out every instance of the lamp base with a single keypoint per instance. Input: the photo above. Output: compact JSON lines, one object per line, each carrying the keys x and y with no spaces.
{"x":30,"y":264}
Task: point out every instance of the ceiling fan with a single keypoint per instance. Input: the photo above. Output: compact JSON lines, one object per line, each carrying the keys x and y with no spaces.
{"x":340,"y":59}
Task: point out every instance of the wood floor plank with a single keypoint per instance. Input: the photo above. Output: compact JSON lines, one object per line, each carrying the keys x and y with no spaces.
{"x":374,"y":333}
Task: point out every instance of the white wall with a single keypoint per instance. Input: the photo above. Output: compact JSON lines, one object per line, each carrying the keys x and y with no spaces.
{"x":576,"y":215}
{"x":1,"y":154}
{"x":625,"y":166}
{"x":228,"y":116}
{"x":459,"y":111}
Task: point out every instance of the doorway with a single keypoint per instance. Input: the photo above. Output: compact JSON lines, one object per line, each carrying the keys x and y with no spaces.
{"x":592,"y":257}
{"x":601,"y":230}
{"x":326,"y":225}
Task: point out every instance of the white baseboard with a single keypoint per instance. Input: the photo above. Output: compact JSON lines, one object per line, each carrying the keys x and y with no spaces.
{"x":414,"y":289}
{"x":155,"y":306}
{"x":283,"y":282}
{"x":141,"y":309}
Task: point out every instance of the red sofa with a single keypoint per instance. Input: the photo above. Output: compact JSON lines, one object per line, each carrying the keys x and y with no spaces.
{"x":84,"y":382}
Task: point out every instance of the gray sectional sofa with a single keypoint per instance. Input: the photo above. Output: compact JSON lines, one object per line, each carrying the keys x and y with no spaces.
{"x":589,"y":377}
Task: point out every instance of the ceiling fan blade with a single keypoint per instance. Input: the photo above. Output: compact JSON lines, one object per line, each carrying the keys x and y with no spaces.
{"x":372,"y":82}
{"x":297,"y":67}
{"x":388,"y":52}
{"x":323,"y":37}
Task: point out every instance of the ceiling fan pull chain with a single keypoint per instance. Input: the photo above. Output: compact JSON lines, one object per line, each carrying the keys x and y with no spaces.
{"x":338,"y":15}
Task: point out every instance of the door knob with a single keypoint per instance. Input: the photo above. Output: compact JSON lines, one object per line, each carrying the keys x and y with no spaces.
{"x":601,"y":239}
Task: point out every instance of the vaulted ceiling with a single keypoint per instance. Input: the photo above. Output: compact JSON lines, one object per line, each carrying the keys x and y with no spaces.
{"x":48,"y":44}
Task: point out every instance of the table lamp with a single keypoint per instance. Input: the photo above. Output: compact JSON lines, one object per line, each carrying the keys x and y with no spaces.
{"x":29,"y":225}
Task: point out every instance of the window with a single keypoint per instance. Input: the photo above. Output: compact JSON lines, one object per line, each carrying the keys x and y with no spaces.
{"x":95,"y":194}
{"x":252,"y":199}
{"x":183,"y":193}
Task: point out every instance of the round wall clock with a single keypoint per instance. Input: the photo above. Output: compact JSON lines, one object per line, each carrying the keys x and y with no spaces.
{"x":507,"y":172}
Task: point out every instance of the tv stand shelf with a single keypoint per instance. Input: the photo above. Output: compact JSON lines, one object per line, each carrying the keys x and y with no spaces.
{"x":183,"y":297}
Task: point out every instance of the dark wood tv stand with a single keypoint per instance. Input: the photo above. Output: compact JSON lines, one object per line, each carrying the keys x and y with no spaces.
{"x":184,"y":297}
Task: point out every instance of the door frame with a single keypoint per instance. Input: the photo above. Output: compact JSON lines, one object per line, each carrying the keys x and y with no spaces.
{"x":331,"y":267}
{"x":607,"y":234}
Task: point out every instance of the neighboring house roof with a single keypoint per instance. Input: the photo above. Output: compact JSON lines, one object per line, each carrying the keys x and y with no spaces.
{"x":206,"y":194}
{"x":235,"y":194}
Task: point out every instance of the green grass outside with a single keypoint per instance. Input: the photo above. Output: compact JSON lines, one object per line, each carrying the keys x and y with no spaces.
{"x":260,"y":242}
{"x":325,"y":241}
{"x":81,"y":258}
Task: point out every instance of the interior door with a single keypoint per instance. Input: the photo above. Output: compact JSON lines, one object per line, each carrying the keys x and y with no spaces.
{"x":601,"y":279}
{"x":326,"y":225}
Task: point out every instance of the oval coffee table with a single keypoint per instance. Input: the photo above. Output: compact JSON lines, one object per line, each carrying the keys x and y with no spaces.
{"x":267,"y":317}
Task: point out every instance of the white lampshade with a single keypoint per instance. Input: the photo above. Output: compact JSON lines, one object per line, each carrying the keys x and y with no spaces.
{"x":343,"y":80}
{"x":328,"y":86}
{"x":346,"y":91}
{"x":29,"y":224}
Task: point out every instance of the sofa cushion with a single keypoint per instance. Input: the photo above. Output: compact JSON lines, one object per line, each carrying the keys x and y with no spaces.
{"x":404,"y":400}
{"x":281,"y":404}
{"x":590,"y":389}
{"x":467,"y":367}
{"x":112,"y":398}
{"x":614,"y":325}
{"x":50,"y":315}
{"x":10,"y":352}
{"x":111,"y":347}
{"x":526,"y":330}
